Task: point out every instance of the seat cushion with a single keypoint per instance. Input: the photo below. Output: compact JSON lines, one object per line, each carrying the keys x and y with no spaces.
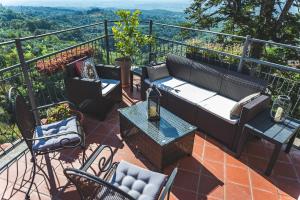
{"x":206,"y":77}
{"x":220,"y":106}
{"x":139,"y":183}
{"x":108,"y":85}
{"x":179,"y":67}
{"x":192,"y":93}
{"x":66,"y":125}
{"x":157,"y":72}
{"x":168,"y":83}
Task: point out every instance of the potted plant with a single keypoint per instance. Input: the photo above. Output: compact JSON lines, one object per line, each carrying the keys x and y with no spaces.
{"x":128,"y":41}
{"x":60,"y":112}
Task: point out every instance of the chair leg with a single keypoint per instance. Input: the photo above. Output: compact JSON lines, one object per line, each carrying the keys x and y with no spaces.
{"x":33,"y":160}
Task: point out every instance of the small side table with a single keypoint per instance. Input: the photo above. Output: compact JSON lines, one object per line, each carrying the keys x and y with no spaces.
{"x":277,"y":133}
{"x":134,"y":71}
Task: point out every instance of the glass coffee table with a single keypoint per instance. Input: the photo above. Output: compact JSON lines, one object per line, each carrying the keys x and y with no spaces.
{"x":162,"y":142}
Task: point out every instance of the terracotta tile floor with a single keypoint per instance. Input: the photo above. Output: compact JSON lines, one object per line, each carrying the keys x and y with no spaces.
{"x":210,"y":173}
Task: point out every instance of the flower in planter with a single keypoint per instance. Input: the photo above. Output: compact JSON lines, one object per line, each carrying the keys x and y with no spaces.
{"x":58,"y":63}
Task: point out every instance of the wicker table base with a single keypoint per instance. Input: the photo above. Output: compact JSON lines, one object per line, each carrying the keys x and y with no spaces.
{"x":159,"y":155}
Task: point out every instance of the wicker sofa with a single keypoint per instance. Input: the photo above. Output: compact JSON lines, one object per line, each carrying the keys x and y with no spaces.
{"x":94,"y":97}
{"x":204,"y":96}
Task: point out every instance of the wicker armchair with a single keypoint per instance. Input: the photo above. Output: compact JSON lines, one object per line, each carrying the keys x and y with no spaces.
{"x":94,"y":97}
{"x":44,"y":139}
{"x":119,"y":180}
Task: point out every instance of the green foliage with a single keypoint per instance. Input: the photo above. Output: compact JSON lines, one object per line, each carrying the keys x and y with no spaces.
{"x":128,"y":39}
{"x":58,"y":113}
{"x":268,"y":20}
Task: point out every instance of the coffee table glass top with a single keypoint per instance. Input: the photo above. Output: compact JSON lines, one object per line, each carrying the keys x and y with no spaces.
{"x":166,"y":130}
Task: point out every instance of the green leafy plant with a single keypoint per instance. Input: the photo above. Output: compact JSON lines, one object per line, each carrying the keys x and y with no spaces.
{"x":128,"y":38}
{"x":58,"y":113}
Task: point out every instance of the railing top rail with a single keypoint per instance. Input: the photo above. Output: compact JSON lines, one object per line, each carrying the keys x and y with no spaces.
{"x":58,"y":32}
{"x":62,"y":50}
{"x":199,"y":30}
{"x":275,"y":43}
{"x":7,"y":42}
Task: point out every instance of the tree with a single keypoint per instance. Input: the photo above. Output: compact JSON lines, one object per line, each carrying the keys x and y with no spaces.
{"x":277,"y":20}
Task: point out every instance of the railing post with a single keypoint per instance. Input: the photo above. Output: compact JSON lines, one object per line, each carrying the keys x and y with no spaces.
{"x":244,"y":53}
{"x":25,"y":71}
{"x":106,"y":41}
{"x":150,"y":45}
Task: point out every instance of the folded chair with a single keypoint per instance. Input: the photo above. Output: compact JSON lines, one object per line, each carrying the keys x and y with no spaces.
{"x":119,"y":180}
{"x":44,"y":139}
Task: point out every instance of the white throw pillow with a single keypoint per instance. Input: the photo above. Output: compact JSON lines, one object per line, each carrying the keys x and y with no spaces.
{"x":237,"y":108}
{"x":88,"y":70}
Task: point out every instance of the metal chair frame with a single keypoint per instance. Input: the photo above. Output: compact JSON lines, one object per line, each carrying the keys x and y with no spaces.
{"x":27,"y":132}
{"x":82,"y":179}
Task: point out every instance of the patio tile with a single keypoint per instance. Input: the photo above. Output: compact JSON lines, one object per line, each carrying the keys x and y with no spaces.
{"x":181,"y":194}
{"x":263,"y":195}
{"x":190,"y":164}
{"x":258,"y":181}
{"x":211,"y":187}
{"x":284,"y":170}
{"x":257,"y":163}
{"x":187,"y":180}
{"x":213,"y":154}
{"x":237,"y":175}
{"x":232,"y":161}
{"x":213,"y":169}
{"x":237,"y":192}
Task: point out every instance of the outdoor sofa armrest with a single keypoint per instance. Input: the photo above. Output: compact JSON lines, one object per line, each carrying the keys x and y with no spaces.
{"x":108,"y":71}
{"x":253,"y":108}
{"x":144,"y":70}
{"x":249,"y":111}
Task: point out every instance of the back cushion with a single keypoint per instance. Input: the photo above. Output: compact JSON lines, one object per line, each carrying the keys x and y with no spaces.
{"x":205,"y":77}
{"x":237,"y":86}
{"x":179,"y":67}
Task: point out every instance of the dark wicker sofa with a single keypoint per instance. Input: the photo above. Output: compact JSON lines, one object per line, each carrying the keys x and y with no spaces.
{"x":94,"y":97}
{"x":204,"y":95}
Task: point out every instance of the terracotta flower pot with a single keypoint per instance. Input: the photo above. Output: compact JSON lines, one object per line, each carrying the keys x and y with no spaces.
{"x":125,"y":64}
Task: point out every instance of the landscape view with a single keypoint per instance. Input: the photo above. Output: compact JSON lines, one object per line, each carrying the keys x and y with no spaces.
{"x":256,"y":42}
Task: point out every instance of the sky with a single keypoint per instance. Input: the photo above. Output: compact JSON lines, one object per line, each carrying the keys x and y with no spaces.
{"x":175,"y":5}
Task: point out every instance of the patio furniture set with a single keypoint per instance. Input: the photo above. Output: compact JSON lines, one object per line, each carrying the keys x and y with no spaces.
{"x":225,"y":105}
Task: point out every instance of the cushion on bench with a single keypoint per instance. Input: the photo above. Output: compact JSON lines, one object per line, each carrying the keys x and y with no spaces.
{"x":168,"y":83}
{"x":192,"y":93}
{"x":140,"y":183}
{"x":108,"y":85}
{"x":66,"y":125}
{"x":220,"y":106}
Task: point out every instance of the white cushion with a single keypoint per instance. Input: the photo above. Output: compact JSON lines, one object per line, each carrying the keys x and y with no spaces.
{"x":220,"y":106}
{"x":167,"y":83}
{"x":192,"y":93}
{"x":107,"y":85}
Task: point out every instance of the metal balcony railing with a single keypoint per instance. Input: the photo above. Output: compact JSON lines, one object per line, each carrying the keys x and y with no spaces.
{"x":44,"y":89}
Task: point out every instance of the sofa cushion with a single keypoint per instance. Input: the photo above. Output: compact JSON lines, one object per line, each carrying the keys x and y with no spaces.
{"x":237,"y":87}
{"x":168,"y":83}
{"x":220,"y":106}
{"x":192,"y":93}
{"x":157,"y":72}
{"x":140,"y":183}
{"x":206,"y":77}
{"x":88,"y":70}
{"x":108,"y":85}
{"x":66,"y":125}
{"x":179,"y":67}
{"x":237,"y":108}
